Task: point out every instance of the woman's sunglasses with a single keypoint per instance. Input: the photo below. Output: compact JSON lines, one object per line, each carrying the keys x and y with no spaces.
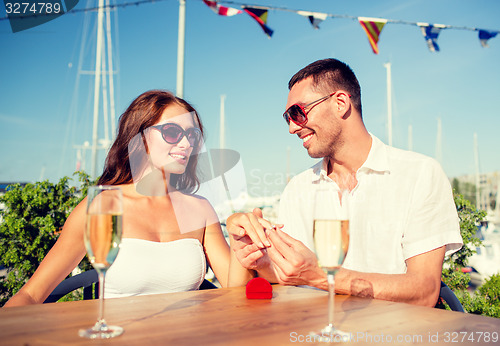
{"x":173,"y":134}
{"x":297,"y":113}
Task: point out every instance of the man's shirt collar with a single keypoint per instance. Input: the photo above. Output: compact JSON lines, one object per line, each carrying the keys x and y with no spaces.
{"x":377,"y":161}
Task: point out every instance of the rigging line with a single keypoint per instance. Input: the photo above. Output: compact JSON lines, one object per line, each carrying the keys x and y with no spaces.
{"x":71,"y":124}
{"x":276,"y":8}
{"x":89,"y":9}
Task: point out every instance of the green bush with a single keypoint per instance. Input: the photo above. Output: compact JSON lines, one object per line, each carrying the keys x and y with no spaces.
{"x":32,"y":219}
{"x":484,"y":301}
{"x":491,"y":288}
{"x":455,"y":279}
{"x":478,"y":304}
{"x":469,"y":217}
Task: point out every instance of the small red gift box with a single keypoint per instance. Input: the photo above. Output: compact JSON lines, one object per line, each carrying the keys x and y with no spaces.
{"x":259,"y":288}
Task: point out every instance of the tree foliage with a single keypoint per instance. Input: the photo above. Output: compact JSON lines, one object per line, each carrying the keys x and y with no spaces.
{"x":31,"y":220}
{"x":484,"y":301}
{"x":470,"y":218}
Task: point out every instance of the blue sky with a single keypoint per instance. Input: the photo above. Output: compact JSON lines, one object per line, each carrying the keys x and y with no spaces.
{"x":42,"y":117}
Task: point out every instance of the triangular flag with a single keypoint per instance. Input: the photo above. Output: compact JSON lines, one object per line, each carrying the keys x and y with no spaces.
{"x":222,"y":10}
{"x":260,"y":15}
{"x":431,"y":33}
{"x":373,"y":28}
{"x":314,"y":17}
{"x":485,"y":35}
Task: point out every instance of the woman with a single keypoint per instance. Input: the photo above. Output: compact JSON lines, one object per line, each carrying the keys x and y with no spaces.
{"x":167,"y":231}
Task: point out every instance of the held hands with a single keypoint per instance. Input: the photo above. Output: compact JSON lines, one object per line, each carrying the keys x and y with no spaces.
{"x":249,"y":240}
{"x":262,"y":246}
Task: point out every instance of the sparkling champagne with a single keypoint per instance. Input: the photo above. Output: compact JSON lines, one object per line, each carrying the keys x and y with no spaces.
{"x":102,"y":239}
{"x":331,"y":239}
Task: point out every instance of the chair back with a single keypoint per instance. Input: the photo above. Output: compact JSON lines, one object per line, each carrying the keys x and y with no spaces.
{"x":89,"y":280}
{"x":447,"y":295}
{"x":207,"y":285}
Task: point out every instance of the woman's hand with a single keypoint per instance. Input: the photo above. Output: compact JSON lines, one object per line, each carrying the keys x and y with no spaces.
{"x":252,"y":225}
{"x":249,"y":241}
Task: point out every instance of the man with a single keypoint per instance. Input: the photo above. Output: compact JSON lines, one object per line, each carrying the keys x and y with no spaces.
{"x":403,"y":218}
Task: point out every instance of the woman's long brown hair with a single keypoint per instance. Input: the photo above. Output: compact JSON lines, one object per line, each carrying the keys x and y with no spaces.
{"x":142,"y":113}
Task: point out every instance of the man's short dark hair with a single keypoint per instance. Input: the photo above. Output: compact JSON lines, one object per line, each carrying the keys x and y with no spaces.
{"x":330,"y":75}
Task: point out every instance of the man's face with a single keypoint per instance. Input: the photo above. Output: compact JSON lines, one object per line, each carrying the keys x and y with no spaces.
{"x":320,"y":135}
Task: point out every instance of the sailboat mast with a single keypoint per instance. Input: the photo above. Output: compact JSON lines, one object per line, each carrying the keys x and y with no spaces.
{"x":476,"y":161}
{"x":110,"y":74}
{"x":97,"y":84}
{"x":180,"y":49}
{"x":389,"y":103}
{"x":222,"y":139}
{"x":288,"y":176}
{"x":439,"y":140}
{"x":497,"y":201}
{"x":410,"y":137}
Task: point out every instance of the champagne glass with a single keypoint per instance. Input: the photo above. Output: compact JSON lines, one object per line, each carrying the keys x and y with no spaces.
{"x":331,"y":242}
{"x":102,"y":237}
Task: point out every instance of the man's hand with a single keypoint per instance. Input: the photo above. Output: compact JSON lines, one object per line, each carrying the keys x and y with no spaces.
{"x":249,"y":240}
{"x":294,"y":263}
{"x":261,"y":246}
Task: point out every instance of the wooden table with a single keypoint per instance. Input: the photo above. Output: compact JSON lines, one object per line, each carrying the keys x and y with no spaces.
{"x":226,"y":317}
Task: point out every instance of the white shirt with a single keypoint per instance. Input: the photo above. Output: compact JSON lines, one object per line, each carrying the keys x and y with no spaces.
{"x":145,"y":267}
{"x":401,"y":207}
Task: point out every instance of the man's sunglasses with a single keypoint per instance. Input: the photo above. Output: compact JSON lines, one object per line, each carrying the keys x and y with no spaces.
{"x":298,"y":114}
{"x":173,"y":134}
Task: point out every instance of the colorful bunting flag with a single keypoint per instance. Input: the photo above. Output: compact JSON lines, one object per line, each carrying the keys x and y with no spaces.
{"x":485,"y":35}
{"x":222,"y":10}
{"x":373,"y":28}
{"x":431,"y":33}
{"x":260,"y":15}
{"x":314,"y":17}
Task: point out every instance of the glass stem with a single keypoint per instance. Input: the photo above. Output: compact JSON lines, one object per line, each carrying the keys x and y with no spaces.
{"x":102,"y":273}
{"x":331,"y":298}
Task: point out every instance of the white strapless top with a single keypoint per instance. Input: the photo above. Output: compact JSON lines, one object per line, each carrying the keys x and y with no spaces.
{"x":147,"y":267}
